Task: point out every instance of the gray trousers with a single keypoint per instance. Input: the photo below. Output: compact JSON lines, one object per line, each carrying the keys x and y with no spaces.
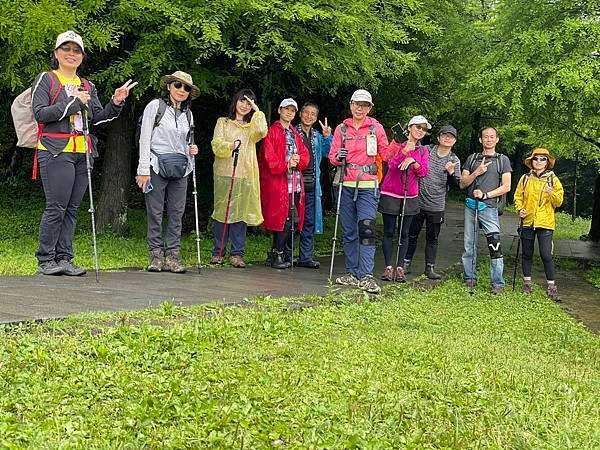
{"x":64,"y":178}
{"x":167,"y":195}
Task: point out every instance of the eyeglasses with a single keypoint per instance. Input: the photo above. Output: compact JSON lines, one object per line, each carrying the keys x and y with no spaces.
{"x":71,"y":48}
{"x":179,"y":85}
{"x":447,"y":136}
{"x":540,"y":158}
{"x":361,"y":105}
{"x":422,"y":128}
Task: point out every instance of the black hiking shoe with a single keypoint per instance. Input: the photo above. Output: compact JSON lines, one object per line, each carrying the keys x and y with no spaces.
{"x":310,"y":264}
{"x":278,"y":261}
{"x":431,"y":274}
{"x":50,"y":268}
{"x":71,"y":269}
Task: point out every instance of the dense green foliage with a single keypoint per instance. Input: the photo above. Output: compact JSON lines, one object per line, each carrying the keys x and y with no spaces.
{"x":593,"y":276}
{"x":414,"y":369}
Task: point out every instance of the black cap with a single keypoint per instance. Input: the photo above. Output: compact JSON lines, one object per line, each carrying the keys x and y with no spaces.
{"x":448,"y":129}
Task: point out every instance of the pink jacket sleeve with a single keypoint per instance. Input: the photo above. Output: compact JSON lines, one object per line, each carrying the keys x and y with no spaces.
{"x":383,"y":146}
{"x":423,"y":161}
{"x":336,"y":144}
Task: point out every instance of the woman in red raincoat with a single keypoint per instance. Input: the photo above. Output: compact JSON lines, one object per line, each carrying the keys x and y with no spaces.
{"x":281,"y":161}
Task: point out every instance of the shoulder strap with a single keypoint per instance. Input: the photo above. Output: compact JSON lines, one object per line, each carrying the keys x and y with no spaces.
{"x":54,"y":81}
{"x":372,"y":128}
{"x":188,"y":114}
{"x":343,"y":131}
{"x":525,"y":179}
{"x":499,"y":164}
{"x":473,"y":157}
{"x":162,"y":107}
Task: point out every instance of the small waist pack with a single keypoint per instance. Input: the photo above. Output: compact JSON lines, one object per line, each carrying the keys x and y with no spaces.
{"x":172,"y":166}
{"x":471,"y":203}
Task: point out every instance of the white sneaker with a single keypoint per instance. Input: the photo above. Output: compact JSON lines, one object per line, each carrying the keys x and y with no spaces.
{"x":368,"y":283}
{"x":347,"y":280}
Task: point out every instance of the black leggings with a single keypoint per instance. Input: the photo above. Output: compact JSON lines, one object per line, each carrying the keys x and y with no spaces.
{"x":434,"y":225}
{"x":544,"y":237}
{"x":389,"y":228}
{"x":282,"y":240}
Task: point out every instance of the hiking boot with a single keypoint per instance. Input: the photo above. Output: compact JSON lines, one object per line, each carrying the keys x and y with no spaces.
{"x":470,"y":283}
{"x":497,"y":290}
{"x":278,"y":260}
{"x":388,"y":274}
{"x":347,"y":280}
{"x":310,"y":264}
{"x":156,"y":260}
{"x":50,"y":268}
{"x":269,"y":260}
{"x":217,"y":260}
{"x":406,"y":266}
{"x":399,"y":276}
{"x":552,"y":292}
{"x":71,"y":269}
{"x":430,"y":273}
{"x":368,"y":283}
{"x":237,"y":261}
{"x":527,"y":287}
{"x":174,"y":263}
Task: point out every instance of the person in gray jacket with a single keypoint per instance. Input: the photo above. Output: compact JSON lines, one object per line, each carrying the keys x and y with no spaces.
{"x":61,"y":101}
{"x":164,"y":164}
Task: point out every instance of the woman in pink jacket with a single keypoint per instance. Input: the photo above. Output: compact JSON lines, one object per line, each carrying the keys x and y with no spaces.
{"x":407,"y":163}
{"x":358,"y":141}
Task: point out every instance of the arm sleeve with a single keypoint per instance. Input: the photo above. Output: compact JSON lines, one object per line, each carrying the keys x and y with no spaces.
{"x":557,"y":197}
{"x":146,"y":137}
{"x":336,"y":144}
{"x":43,"y":111}
{"x":383,"y":146}
{"x":275,"y":162}
{"x":102,"y":115}
{"x":423,"y":160}
{"x":221,"y":147}
{"x":258,"y":126}
{"x":519,"y":197}
{"x":325,"y":144}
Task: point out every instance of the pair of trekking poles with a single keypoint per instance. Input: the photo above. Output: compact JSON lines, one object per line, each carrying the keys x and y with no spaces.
{"x":92,"y":210}
{"x":337,"y":215}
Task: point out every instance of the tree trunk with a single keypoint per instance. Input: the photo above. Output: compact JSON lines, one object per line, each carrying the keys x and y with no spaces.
{"x":518,"y":167}
{"x":594,"y":234}
{"x":475,"y":129}
{"x":116,"y":174}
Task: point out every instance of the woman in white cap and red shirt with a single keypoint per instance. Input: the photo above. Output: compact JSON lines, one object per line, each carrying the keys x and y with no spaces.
{"x":59,"y":98}
{"x":407,"y":164}
{"x":538,"y":194}
{"x":358,"y":140}
{"x":165,"y":162}
{"x":281,"y":160}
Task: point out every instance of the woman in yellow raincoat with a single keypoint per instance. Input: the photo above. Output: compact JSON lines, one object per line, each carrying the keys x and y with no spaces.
{"x":538,"y":193}
{"x":237,"y":203}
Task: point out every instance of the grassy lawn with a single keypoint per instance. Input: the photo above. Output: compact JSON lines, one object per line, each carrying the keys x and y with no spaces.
{"x":414,"y":369}
{"x":593,"y":276}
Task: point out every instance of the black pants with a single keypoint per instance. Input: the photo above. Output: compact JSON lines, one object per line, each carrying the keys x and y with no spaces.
{"x":433,"y":222}
{"x":544,"y":237}
{"x":64,"y":178}
{"x":389,"y":228}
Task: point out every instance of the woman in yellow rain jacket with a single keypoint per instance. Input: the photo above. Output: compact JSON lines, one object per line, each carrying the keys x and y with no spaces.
{"x":538,"y":193}
{"x":237,"y":204}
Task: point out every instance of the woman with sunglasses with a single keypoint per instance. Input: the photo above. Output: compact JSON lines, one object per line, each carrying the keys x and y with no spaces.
{"x":166,"y":159}
{"x":538,"y":194}
{"x":61,"y":102}
{"x":237,"y":201}
{"x":399,"y":201}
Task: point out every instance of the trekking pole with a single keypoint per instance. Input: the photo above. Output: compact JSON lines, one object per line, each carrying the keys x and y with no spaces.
{"x":337,"y":217}
{"x":292,"y":210}
{"x":406,"y":173}
{"x":235,"y":154}
{"x":517,"y":257}
{"x":195,"y":193}
{"x":88,"y":164}
{"x":476,"y":231}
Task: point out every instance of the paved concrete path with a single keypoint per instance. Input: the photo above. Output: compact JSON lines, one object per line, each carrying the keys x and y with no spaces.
{"x":40,"y":297}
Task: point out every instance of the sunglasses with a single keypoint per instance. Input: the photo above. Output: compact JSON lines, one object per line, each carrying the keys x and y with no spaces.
{"x":179,"y":85}
{"x":423,"y":128}
{"x":540,"y":158}
{"x":71,"y":48}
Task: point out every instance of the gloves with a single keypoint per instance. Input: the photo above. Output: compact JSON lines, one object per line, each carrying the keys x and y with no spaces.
{"x":342,"y":154}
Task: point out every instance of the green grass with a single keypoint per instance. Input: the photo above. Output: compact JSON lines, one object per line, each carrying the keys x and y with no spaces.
{"x":414,"y":369}
{"x":593,"y":276}
{"x":567,"y":229}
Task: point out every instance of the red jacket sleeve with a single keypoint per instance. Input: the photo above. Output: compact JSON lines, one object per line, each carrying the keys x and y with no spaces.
{"x":274,"y":158}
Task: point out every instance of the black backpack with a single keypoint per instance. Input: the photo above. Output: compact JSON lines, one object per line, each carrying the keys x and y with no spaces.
{"x":162,"y":107}
{"x":501,"y":201}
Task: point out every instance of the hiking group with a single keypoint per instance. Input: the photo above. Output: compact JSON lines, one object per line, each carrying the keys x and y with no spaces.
{"x":278,"y":185}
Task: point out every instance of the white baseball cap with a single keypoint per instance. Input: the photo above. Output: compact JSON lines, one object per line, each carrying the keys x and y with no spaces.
{"x":362,"y":95}
{"x":419,"y":119}
{"x":288,"y":102}
{"x":69,"y":36}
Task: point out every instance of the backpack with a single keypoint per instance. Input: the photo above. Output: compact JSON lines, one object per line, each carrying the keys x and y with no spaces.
{"x":27,"y":129}
{"x":501,"y":202}
{"x":162,"y":107}
{"x":550,"y":182}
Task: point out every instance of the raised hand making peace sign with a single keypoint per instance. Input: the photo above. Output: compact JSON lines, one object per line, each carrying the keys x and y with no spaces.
{"x":122,"y":92}
{"x":325,"y":127}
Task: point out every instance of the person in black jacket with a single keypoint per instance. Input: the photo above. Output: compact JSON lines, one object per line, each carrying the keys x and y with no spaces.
{"x":61,"y":101}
